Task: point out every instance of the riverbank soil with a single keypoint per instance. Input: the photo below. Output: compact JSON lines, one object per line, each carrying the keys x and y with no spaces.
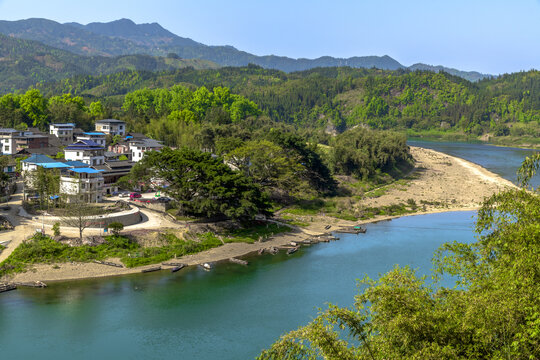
{"x":437,"y":183}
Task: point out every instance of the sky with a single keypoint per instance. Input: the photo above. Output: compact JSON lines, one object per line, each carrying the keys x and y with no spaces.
{"x":490,"y":36}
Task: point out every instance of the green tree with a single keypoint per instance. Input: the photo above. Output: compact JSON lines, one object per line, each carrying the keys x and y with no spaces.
{"x":96,"y":110}
{"x":267,"y":164}
{"x":116,"y":227}
{"x":203,"y":185}
{"x":35,"y":107}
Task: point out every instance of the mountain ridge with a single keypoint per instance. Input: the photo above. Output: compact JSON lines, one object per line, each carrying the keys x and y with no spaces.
{"x":124,"y":37}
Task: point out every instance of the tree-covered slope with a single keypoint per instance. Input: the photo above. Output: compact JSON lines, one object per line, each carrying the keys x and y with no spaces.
{"x":345,"y":97}
{"x":24,"y":63}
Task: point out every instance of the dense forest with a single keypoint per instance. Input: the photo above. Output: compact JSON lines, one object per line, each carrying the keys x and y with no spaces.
{"x":340,"y":98}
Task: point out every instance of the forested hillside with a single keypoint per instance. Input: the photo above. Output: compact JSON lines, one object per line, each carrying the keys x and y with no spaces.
{"x":338,"y":98}
{"x":24,"y":63}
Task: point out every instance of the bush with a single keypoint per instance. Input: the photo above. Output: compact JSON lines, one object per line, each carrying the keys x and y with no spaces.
{"x":56,"y":229}
{"x":116,"y":227}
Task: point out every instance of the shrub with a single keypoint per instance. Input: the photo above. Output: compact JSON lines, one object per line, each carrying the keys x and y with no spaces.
{"x":56,"y":229}
{"x":116,"y":227}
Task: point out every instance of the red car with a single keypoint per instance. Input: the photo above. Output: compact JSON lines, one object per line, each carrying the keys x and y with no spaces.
{"x":135,"y":195}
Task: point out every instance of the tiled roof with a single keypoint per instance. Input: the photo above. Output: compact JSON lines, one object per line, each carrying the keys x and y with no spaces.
{"x":39,"y":159}
{"x":66,"y":124}
{"x":110,"y":121}
{"x":84,"y":145}
{"x":86,"y":170}
{"x":76,"y":164}
{"x":53,"y":165}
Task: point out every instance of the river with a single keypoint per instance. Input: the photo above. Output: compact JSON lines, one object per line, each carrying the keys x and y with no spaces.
{"x":231,"y":312}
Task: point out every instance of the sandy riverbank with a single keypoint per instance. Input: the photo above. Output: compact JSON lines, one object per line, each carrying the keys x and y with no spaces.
{"x":439,"y":182}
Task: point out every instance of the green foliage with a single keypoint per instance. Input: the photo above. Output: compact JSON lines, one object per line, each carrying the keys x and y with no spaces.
{"x":491,"y":313}
{"x":116,"y":227}
{"x":56,"y":229}
{"x":365,"y":153}
{"x":203,"y":185}
{"x":253,"y":233}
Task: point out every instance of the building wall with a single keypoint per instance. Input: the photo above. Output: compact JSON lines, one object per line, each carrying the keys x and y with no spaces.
{"x":84,"y":156}
{"x":8,"y":145}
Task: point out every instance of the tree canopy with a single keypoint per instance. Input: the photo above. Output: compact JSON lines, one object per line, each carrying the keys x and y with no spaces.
{"x":202,"y":185}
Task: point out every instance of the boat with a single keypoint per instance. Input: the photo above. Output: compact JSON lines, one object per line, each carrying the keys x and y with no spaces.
{"x":292,"y":250}
{"x":7,"y":287}
{"x":206,"y":266}
{"x":238,"y":261}
{"x":177,"y":268}
{"x":261,"y":251}
{"x":155,"y":268}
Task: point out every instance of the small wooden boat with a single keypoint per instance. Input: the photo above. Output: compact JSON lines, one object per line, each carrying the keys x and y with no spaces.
{"x":261,"y":251}
{"x":353,"y":230}
{"x":177,"y":268}
{"x":155,"y":268}
{"x":7,"y":287}
{"x":34,"y":284}
{"x":238,"y":261}
{"x":273,"y":250}
{"x":292,"y":250}
{"x":327,"y":227}
{"x":293,"y":243}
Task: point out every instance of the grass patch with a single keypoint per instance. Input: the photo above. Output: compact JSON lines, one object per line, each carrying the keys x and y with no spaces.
{"x":390,"y":210}
{"x":254,"y":233}
{"x":291,"y":220}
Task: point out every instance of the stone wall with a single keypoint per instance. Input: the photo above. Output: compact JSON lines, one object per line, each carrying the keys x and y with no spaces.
{"x":127,"y":217}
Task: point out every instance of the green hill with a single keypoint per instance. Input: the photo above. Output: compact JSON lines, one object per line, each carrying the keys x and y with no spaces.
{"x":24,"y":63}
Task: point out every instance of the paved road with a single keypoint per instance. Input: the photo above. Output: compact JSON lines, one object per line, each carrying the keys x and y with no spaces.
{"x":23,"y":227}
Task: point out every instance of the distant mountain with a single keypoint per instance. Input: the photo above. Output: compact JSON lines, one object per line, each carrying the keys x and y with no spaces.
{"x":25,"y":62}
{"x":124,"y":37}
{"x":469,"y":75}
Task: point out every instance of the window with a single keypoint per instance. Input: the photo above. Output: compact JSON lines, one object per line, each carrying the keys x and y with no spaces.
{"x":77,"y":154}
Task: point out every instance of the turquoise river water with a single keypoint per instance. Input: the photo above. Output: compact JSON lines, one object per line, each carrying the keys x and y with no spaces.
{"x":231,"y":312}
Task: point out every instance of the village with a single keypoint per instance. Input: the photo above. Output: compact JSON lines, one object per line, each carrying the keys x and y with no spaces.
{"x":89,"y":163}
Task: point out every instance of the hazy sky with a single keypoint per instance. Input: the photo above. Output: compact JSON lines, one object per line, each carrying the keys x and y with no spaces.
{"x":494,"y":36}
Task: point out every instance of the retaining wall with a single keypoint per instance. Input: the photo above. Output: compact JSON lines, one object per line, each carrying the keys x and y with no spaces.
{"x":127,"y":217}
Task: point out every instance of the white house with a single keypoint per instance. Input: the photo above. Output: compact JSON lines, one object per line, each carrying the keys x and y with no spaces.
{"x":64,"y":132}
{"x":139,"y":147}
{"x":111,"y":127}
{"x":8,"y":140}
{"x":86,"y":151}
{"x":97,"y":137}
{"x":82,"y":184}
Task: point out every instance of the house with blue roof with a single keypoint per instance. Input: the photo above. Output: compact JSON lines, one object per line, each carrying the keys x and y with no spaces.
{"x":82,"y":184}
{"x":86,"y":151}
{"x":97,"y":137}
{"x":39,"y":160}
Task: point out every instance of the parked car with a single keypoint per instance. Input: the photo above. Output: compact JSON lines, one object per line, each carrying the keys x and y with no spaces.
{"x":135,"y":195}
{"x":163,"y":199}
{"x":123,"y":194}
